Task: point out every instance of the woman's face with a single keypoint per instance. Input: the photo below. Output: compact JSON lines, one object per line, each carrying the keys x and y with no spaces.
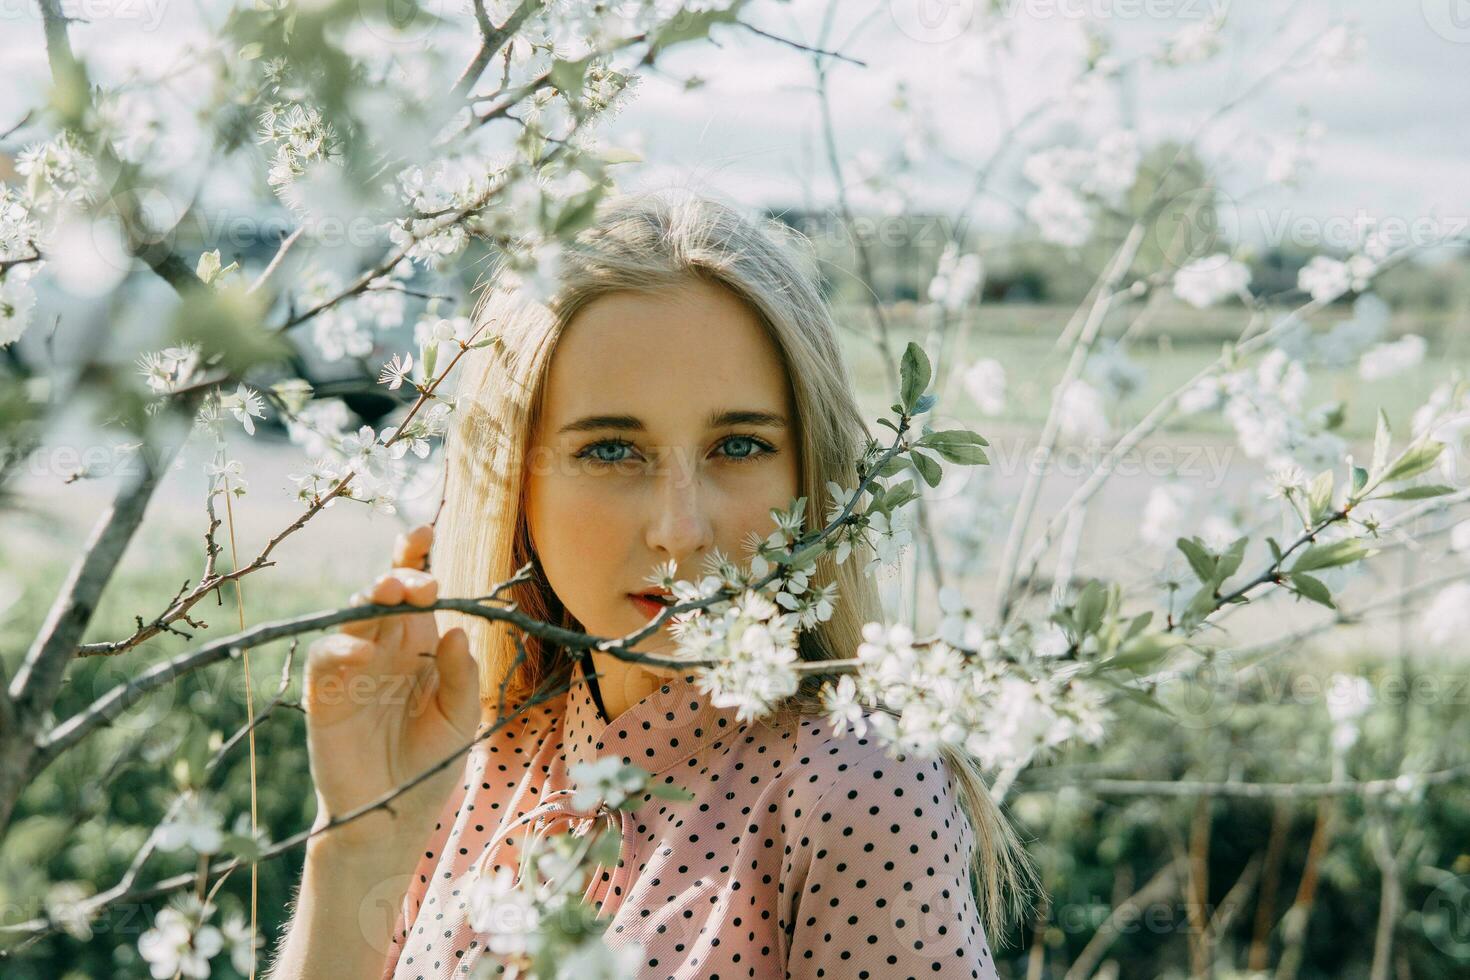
{"x":666,"y":432}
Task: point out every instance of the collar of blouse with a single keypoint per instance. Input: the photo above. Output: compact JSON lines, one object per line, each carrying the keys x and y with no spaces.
{"x":662,"y":732}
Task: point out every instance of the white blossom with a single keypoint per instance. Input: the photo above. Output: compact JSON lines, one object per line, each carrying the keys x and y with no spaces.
{"x":1342,"y":45}
{"x":1205,"y":282}
{"x":192,"y":824}
{"x":985,"y":382}
{"x":957,"y":279}
{"x":174,"y":947}
{"x":231,"y":472}
{"x":1460,"y":537}
{"x":503,"y":912}
{"x":242,"y":942}
{"x":396,"y":371}
{"x":593,"y":960}
{"x":1060,"y":216}
{"x":888,"y":536}
{"x":1447,"y":619}
{"x":303,"y":139}
{"x":1203,"y":395}
{"x":1114,"y":165}
{"x":1081,"y":411}
{"x":59,"y":172}
{"x":1395,"y":357}
{"x":606,"y":780}
{"x":1195,"y":43}
{"x":171,"y":368}
{"x":1163,"y":514}
{"x":1325,"y":279}
{"x":1218,"y":532}
{"x":17,"y":301}
{"x":246,"y":405}
{"x":1017,"y":725}
{"x":843,"y":709}
{"x":319,"y":425}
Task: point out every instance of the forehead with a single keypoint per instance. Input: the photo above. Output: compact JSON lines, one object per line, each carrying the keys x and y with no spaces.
{"x":668,"y":356}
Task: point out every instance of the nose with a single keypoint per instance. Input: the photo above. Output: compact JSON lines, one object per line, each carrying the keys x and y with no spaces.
{"x":679,"y":525}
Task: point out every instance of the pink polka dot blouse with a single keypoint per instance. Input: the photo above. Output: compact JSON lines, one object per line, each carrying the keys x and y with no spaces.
{"x":802,"y":855}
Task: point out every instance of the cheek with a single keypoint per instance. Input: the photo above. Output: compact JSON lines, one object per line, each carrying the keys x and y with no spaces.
{"x":747,"y":504}
{"x":576,"y":528}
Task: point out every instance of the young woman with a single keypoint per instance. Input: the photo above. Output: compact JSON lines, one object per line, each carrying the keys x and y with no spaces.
{"x":684,"y":380}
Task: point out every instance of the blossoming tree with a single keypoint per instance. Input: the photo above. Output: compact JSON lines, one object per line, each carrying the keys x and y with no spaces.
{"x":358,"y":122}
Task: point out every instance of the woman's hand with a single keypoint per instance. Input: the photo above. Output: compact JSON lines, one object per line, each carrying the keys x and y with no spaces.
{"x":386,"y":699}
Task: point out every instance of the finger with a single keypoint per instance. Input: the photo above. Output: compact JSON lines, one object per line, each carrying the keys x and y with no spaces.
{"x":390,"y":644}
{"x":330,"y":661}
{"x":367,"y":629}
{"x":387,"y":589}
{"x":420,"y":638}
{"x":459,"y":681}
{"x":418,"y":588}
{"x":412,"y":547}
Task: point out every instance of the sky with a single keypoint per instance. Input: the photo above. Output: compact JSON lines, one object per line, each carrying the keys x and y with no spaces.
{"x":1393,"y":140}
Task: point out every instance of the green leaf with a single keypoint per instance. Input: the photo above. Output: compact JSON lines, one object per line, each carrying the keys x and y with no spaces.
{"x":893,"y":467}
{"x":1381,"y":438}
{"x":1201,"y":604}
{"x":1418,"y":493}
{"x":1137,"y":624}
{"x":1319,"y":496}
{"x":966,"y":456}
{"x":950,"y":437}
{"x":1229,"y":562}
{"x":898,"y":495}
{"x":926,"y":401}
{"x":228,"y":321}
{"x":1360,"y":479}
{"x":1311,"y":588}
{"x":1134,"y":694}
{"x":569,"y":76}
{"x":959,"y":446}
{"x":1333,"y":415}
{"x":914,"y":374}
{"x":1089,"y":608}
{"x":1329,"y":555}
{"x":928,"y":469}
{"x":617,"y":154}
{"x":1144,"y":651}
{"x":1199,"y":558}
{"x":668,"y":791}
{"x":690,"y":26}
{"x":1275,"y":549}
{"x":578,"y":212}
{"x":1414,"y":460}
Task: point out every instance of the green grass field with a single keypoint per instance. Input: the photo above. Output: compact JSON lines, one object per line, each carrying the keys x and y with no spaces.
{"x":1179,"y":342}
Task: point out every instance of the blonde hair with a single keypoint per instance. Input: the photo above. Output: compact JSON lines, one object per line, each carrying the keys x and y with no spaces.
{"x":647,"y":242}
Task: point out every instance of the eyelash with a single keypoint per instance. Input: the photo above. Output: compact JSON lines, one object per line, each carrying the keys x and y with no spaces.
{"x":766,"y":450}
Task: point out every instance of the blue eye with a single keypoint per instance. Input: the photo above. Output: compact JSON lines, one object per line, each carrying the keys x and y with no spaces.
{"x":594,"y":452}
{"x":590,"y":453}
{"x":761,"y":448}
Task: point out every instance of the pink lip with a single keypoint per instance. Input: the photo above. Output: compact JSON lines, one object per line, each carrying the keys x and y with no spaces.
{"x":647,"y":606}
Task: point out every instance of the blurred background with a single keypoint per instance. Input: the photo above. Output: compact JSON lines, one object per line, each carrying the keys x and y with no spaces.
{"x":922,"y":170}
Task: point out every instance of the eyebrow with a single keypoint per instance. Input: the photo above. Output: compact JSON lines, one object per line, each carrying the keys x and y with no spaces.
{"x":717,"y":420}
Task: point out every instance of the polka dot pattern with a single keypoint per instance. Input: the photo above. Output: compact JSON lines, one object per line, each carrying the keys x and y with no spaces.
{"x":802,"y":854}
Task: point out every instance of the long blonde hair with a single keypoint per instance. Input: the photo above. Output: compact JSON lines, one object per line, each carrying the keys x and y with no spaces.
{"x":647,"y":242}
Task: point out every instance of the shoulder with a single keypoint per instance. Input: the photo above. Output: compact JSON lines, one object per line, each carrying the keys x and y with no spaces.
{"x":881,"y":865}
{"x":828,"y":760}
{"x":851,"y":785}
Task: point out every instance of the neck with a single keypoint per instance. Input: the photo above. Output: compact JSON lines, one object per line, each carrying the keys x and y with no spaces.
{"x":622,"y":684}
